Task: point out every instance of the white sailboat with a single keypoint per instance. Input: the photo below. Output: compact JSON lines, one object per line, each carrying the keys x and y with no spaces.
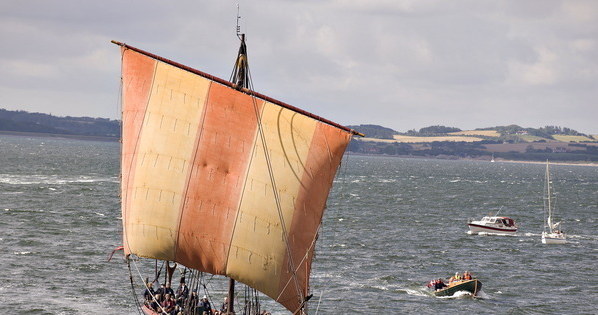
{"x":552,"y":233}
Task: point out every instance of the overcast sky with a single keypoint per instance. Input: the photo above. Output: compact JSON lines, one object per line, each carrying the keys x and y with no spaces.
{"x":403,"y":64}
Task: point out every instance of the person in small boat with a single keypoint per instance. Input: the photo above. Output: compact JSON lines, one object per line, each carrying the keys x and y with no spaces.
{"x":467,"y":276}
{"x":439,"y":285}
{"x":455,"y":278}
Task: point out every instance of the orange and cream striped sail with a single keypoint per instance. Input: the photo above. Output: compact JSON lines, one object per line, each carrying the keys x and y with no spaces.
{"x":225,"y":181}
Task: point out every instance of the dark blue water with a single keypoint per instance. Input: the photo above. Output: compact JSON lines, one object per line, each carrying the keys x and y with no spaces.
{"x":391,"y":225}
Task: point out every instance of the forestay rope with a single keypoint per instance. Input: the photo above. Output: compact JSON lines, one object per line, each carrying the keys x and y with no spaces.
{"x":275,"y":191}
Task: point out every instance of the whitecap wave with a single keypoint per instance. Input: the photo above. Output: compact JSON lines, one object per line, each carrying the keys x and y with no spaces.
{"x":457,"y":295}
{"x":416,"y":292}
{"x":495,"y":234}
{"x":11,"y":179}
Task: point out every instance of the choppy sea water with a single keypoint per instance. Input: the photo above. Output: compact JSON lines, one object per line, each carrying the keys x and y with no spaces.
{"x":391,"y":225}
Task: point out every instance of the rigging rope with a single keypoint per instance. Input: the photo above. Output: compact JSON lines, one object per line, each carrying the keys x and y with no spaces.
{"x":144,"y":284}
{"x":275,"y":192}
{"x":133,"y":288}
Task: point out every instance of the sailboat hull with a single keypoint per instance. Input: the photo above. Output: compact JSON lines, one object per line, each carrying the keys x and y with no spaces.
{"x":553,"y":238}
{"x":472,"y":286}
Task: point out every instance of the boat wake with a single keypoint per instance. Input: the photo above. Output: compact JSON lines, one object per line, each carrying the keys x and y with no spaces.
{"x":465,"y":295}
{"x":491,"y":234}
{"x":482,"y":295}
{"x":423,"y":291}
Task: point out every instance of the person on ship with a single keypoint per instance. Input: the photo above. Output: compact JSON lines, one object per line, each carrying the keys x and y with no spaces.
{"x":161,"y":291}
{"x":168,"y":304}
{"x":205,"y":305}
{"x":183,"y":290}
{"x":193,"y":302}
{"x":168,"y":289}
{"x":149,"y":292}
{"x":224,"y":307}
{"x":155,"y":304}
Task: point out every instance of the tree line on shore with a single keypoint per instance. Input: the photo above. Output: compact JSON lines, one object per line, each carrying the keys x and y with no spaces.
{"x":508,"y":139}
{"x":22,"y":121}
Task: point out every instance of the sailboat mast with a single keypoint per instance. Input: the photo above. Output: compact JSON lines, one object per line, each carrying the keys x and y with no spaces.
{"x":548,"y":196}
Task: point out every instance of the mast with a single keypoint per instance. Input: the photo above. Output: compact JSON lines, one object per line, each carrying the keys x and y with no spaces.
{"x":231,"y":297}
{"x":549,"y":220}
{"x":240,"y":76}
{"x":240,"y":80}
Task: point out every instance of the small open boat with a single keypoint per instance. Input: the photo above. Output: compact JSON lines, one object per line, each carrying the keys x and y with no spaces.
{"x":472,"y":286}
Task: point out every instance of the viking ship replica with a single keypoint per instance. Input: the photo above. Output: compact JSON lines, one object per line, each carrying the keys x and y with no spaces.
{"x":220,"y":180}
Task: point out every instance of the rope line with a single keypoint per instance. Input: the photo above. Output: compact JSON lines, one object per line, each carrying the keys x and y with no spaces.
{"x":275,"y":192}
{"x":125,"y":195}
{"x":145,"y":285}
{"x":133,"y":288}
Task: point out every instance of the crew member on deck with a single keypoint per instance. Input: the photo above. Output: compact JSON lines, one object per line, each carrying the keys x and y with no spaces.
{"x":205,"y":304}
{"x":168,"y":304}
{"x":224,"y":307}
{"x":149,"y":292}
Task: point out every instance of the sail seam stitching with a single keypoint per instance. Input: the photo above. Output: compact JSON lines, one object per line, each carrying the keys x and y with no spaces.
{"x":277,"y":200}
{"x":137,"y":145}
{"x":191,"y":166}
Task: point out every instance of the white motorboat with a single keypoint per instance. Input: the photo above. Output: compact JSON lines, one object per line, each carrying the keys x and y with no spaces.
{"x":493,"y":225}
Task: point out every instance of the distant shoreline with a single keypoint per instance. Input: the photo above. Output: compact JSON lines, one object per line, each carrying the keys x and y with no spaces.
{"x":551,"y":163}
{"x":55,"y":135}
{"x":454,"y":158}
{"x":482,"y":160}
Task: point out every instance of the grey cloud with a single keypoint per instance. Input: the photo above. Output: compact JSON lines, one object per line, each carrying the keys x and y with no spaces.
{"x":403,"y":64}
